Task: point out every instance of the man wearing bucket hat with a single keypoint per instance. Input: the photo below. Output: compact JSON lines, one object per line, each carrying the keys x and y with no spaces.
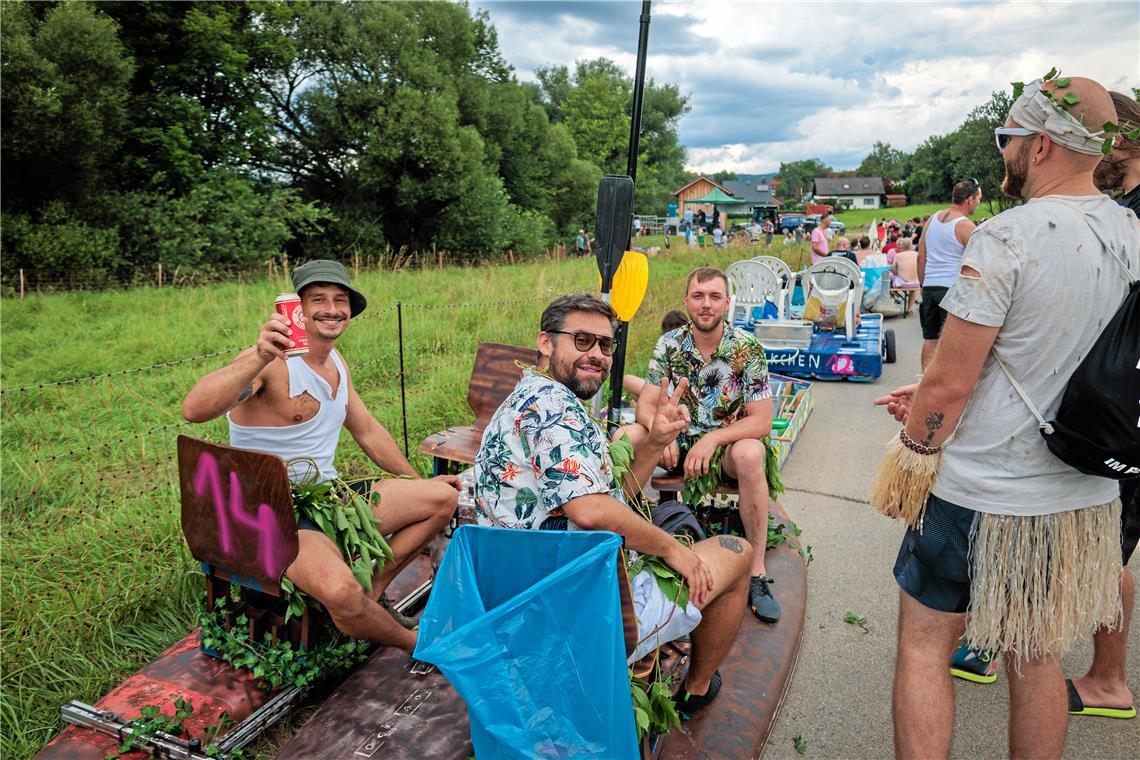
{"x":294,"y":407}
{"x":1007,"y":543}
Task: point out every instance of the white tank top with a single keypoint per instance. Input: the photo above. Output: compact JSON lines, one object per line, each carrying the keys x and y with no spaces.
{"x":943,"y":252}
{"x":314,"y":439}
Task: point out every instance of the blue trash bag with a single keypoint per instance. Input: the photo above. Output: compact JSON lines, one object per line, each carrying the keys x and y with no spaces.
{"x":527,"y":626}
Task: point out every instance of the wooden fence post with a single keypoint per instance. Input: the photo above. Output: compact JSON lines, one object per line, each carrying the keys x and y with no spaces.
{"x":511,"y":255}
{"x":160,"y":275}
{"x":21,"y":283}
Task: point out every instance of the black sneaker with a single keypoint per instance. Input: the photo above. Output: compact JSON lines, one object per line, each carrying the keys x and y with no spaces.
{"x":760,"y":599}
{"x":399,"y":617}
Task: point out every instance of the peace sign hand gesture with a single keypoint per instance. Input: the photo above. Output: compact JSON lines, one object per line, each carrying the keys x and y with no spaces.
{"x":672,"y":416}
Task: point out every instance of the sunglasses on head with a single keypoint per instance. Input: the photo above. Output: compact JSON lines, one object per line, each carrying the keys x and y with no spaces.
{"x":977,"y":185}
{"x":584,"y":341}
{"x":1002,"y":135}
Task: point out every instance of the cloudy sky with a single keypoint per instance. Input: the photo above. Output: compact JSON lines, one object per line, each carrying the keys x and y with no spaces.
{"x":772,"y":81}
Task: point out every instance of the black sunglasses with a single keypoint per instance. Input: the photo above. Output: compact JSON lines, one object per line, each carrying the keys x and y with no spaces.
{"x":584,"y":341}
{"x":977,"y":185}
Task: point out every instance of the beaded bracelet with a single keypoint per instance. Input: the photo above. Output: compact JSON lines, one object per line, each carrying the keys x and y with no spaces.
{"x":915,"y":446}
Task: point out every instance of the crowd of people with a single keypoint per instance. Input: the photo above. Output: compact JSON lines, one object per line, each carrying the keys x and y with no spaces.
{"x":1002,"y":513}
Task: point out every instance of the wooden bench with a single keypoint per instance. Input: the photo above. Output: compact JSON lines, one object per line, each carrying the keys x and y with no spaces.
{"x":494,"y":375}
{"x":908,"y":292}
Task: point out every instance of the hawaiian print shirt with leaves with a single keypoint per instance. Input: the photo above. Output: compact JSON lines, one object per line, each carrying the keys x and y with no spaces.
{"x":540,"y":450}
{"x":735,"y":375}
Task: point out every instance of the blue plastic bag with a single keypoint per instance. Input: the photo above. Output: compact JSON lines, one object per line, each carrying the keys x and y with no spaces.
{"x":527,"y":626}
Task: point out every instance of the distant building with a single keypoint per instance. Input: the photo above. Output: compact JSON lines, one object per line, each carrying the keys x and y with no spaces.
{"x":697,"y":188}
{"x":757,"y":193}
{"x":850,"y":192}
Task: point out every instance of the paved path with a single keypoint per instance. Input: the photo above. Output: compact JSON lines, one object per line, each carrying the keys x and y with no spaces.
{"x":839,"y":701}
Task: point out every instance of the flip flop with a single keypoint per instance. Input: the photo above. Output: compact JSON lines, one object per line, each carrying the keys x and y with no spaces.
{"x":689,"y":705}
{"x":970,"y":665}
{"x":1077,"y":706}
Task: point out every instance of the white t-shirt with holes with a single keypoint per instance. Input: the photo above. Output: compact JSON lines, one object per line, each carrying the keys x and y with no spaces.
{"x":1046,"y":281}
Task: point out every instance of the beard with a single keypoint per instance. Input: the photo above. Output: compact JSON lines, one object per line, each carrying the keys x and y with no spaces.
{"x":705,"y":324}
{"x":1109,"y":175}
{"x":1016,"y":172}
{"x":566,"y":372}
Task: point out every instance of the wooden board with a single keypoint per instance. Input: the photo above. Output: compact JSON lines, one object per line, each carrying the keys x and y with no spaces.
{"x":185,"y":671}
{"x":386,"y":711}
{"x":212,"y":686}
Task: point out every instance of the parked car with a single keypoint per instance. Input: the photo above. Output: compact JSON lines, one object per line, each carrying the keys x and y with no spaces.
{"x":789,"y":222}
{"x":811,"y":221}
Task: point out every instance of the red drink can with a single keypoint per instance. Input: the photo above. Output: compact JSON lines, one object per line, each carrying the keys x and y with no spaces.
{"x":289,"y":306}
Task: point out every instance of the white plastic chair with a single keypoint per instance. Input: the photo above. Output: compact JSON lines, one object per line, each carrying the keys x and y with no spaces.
{"x":837,"y":283}
{"x":786,"y":280}
{"x":750,"y":284}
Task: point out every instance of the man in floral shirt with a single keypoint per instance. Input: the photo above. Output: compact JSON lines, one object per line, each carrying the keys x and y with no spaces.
{"x":729,"y":405}
{"x":546,"y":464}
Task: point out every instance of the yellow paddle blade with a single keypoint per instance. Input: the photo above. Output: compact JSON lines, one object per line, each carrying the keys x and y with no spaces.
{"x":630,"y":283}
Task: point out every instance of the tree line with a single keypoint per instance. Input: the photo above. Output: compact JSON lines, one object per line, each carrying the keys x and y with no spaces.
{"x":928,"y":174}
{"x":215,"y":136}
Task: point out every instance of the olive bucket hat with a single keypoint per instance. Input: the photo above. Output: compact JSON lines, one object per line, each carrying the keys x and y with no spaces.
{"x":331,"y":273}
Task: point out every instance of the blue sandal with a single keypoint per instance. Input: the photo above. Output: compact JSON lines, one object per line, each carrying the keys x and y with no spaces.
{"x":971,"y":665}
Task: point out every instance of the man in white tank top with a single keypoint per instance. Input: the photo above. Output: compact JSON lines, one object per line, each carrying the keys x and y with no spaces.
{"x":940,"y":256}
{"x":294,"y":408}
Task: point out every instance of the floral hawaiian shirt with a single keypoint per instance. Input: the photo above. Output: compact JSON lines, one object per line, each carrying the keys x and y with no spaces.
{"x":737,"y":374}
{"x":540,"y":450}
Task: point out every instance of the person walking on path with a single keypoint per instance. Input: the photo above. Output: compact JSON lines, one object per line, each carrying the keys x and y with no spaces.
{"x":1012,"y":545}
{"x":1103,"y":690}
{"x":940,"y":256}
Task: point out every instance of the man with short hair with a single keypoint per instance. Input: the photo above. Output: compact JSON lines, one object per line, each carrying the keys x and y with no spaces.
{"x":581,"y":244}
{"x":819,"y":238}
{"x":939,"y":258}
{"x":1026,"y":545}
{"x":730,"y":409}
{"x":769,"y":231}
{"x":545,"y":463}
{"x":294,"y":407}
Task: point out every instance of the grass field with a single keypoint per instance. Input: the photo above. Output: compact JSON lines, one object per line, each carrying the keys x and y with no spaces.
{"x":863,"y":217}
{"x":96,"y":577}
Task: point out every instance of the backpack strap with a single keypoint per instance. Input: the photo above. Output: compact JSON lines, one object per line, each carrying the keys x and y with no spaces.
{"x":1042,"y":425}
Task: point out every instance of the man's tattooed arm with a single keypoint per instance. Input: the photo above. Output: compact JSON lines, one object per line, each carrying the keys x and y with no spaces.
{"x":933,"y":423}
{"x":245,"y":393}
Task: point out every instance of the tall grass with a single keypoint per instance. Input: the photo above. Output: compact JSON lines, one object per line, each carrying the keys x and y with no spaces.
{"x":96,"y":579}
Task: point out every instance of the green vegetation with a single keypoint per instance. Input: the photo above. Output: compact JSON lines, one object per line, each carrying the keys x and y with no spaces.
{"x":863,"y":217}
{"x":219,"y":136}
{"x":97,"y":578}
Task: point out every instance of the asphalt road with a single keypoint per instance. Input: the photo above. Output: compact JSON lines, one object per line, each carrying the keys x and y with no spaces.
{"x":839,"y":700}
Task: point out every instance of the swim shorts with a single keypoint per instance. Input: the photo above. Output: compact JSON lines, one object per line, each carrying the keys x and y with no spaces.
{"x":933,"y":565}
{"x":931,"y":315}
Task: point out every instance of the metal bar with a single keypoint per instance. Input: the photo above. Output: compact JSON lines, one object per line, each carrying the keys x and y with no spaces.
{"x":159,"y":745}
{"x":403,"y":385}
{"x":260,"y":720}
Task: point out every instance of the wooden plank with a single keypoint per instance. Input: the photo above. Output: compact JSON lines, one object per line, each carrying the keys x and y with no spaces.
{"x":237,"y":511}
{"x":494,"y":376}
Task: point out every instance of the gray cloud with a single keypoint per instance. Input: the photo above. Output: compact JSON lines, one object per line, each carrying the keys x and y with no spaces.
{"x":775,"y":82}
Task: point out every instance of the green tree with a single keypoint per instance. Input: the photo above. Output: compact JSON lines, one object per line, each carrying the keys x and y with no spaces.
{"x":724,"y":175}
{"x":63,"y":104}
{"x":973,"y":153}
{"x":796,"y":177}
{"x":885,"y":162}
{"x":930,"y":179}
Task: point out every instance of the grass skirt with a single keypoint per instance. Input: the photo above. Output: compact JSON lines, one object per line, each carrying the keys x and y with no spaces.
{"x":1041,"y":582}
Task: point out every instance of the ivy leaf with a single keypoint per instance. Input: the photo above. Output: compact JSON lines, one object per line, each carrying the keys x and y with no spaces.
{"x":1064,"y":82}
{"x":1052,"y":73}
{"x":800,"y":745}
{"x":1134,"y":134}
{"x":1071,"y":98}
{"x":1106,"y":148}
{"x":1018,"y":88}
{"x":1110,"y":127}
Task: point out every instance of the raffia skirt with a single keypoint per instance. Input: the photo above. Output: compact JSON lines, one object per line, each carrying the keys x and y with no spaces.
{"x":1042,"y":582}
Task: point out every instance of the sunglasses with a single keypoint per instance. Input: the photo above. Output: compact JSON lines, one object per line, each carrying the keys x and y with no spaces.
{"x":1002,"y":135}
{"x":977,"y":185}
{"x":584,"y":341}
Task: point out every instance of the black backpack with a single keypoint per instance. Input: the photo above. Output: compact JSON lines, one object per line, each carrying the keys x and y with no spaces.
{"x":1097,"y":429}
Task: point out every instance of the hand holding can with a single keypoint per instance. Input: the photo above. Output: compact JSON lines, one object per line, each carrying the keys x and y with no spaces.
{"x":273,"y":339}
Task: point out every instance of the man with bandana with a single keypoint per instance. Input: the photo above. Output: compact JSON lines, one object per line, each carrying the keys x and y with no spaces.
{"x":1013,"y":546}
